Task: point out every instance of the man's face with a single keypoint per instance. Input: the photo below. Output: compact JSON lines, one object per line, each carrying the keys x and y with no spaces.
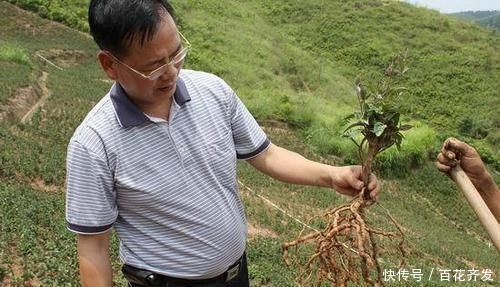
{"x":164,"y":45}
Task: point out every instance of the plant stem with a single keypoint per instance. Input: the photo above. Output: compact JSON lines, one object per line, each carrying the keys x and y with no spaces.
{"x":367,"y":168}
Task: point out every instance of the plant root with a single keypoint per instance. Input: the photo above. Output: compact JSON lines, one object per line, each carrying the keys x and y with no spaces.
{"x":346,"y":250}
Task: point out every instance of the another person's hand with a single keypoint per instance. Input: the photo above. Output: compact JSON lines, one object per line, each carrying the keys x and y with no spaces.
{"x":456,"y":152}
{"x":348,"y":180}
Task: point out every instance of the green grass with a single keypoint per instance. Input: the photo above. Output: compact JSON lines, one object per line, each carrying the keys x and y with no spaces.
{"x":11,"y":52}
{"x":13,"y":75}
{"x":277,"y":80}
{"x":35,"y":245}
{"x":71,"y":12}
{"x":16,"y":68}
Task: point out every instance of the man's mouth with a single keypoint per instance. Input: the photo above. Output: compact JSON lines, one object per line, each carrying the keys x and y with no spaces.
{"x":167,"y":88}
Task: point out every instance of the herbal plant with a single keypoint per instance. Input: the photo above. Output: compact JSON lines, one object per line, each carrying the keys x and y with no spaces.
{"x":346,"y":250}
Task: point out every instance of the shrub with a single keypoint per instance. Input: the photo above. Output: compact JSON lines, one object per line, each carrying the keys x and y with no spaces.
{"x":469,"y":127}
{"x":415,"y":150}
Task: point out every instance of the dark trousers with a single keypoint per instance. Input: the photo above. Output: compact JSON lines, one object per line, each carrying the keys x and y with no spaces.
{"x":239,"y":281}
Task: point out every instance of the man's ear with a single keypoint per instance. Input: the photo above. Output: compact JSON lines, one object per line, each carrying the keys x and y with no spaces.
{"x":108,"y":65}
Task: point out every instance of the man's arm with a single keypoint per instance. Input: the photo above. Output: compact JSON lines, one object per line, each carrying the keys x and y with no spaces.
{"x":492,"y":199}
{"x":93,"y":256}
{"x":456,"y":152}
{"x":290,"y":167}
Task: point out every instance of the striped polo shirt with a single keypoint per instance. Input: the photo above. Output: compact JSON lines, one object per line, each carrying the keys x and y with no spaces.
{"x":168,"y":188}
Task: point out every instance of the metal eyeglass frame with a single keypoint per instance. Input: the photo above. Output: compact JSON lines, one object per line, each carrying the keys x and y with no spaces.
{"x":156,"y":73}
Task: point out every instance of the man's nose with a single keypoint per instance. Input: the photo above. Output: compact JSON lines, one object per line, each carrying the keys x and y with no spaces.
{"x":170,"y":73}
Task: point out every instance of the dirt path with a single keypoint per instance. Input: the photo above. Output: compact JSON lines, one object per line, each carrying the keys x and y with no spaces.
{"x":26,"y":101}
{"x":45,"y":93}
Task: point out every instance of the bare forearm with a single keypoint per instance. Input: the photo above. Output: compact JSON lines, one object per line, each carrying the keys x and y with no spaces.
{"x":290,"y":167}
{"x":491,"y":194}
{"x":485,"y":183}
{"x":493,"y":202}
{"x":95,"y":271}
{"x":95,"y":266}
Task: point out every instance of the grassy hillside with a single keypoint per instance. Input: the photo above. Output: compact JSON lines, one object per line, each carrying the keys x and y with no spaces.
{"x":492,"y":22}
{"x":454,"y":65}
{"x":475,"y":15}
{"x":295,"y":70}
{"x":320,"y":47}
{"x":488,"y":19}
{"x":296,"y":62}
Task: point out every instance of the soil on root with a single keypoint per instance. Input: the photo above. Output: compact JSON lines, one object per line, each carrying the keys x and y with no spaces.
{"x":346,"y":251}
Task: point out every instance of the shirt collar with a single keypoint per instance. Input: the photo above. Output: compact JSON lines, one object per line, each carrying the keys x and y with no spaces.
{"x":129,"y":114}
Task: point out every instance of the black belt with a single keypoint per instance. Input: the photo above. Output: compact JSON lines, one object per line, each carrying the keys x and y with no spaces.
{"x":150,"y":279}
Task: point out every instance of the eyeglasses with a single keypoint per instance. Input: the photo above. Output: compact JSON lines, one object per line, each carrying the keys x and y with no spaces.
{"x":155,"y":74}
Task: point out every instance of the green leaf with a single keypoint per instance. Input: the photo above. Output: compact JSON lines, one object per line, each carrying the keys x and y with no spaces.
{"x":348,"y":118}
{"x":398,"y":140}
{"x":354,"y":141}
{"x":355,"y":125}
{"x":352,"y":133}
{"x":379,"y":128}
{"x":405,"y":127}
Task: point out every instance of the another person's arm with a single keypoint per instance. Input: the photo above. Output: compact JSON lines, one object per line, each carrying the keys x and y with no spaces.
{"x":93,"y":256}
{"x":290,"y":167}
{"x":456,"y":152}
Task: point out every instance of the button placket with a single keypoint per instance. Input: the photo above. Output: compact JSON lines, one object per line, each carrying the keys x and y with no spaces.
{"x":165,"y":127}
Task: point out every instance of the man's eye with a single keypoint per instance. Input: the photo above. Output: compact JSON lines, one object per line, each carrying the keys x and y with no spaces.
{"x":153,"y":67}
{"x":150,"y":69}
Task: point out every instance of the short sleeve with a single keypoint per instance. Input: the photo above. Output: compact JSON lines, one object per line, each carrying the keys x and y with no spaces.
{"x":90,"y":197}
{"x":249,"y":138}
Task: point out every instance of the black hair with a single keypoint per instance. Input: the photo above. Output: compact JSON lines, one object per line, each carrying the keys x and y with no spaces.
{"x":114,"y":24}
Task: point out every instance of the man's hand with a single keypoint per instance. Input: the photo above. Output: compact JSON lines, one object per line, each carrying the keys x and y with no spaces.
{"x":348,"y":181}
{"x":293,"y":168}
{"x":456,"y":152}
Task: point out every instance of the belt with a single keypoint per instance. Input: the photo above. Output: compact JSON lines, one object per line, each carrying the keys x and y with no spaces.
{"x":143,"y":277}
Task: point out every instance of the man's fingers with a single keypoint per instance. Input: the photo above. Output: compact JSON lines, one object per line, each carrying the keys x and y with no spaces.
{"x":373,"y":182}
{"x":374,"y":194}
{"x":458,"y":147}
{"x":443,"y":168}
{"x":356,"y":176}
{"x":357,"y":184}
{"x":448,"y":151}
{"x":374,"y":187}
{"x":453,"y":143}
{"x":450,"y":155}
{"x":448,"y":160}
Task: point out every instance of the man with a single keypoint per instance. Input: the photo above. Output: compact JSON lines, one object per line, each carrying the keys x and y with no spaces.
{"x":156,"y":160}
{"x":456,"y":152}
